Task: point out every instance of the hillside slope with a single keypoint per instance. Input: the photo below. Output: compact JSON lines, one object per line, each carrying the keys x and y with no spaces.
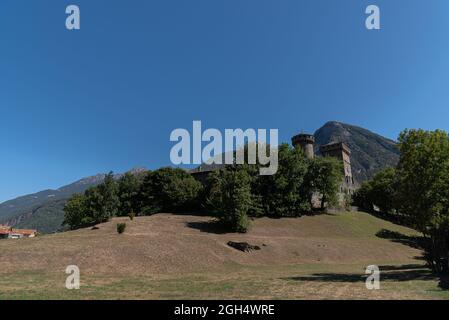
{"x":370,"y":152}
{"x":183,"y":256}
{"x":23,"y":204}
{"x":44,"y":210}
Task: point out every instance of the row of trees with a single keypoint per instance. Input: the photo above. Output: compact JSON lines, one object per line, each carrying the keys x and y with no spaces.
{"x":417,"y":190}
{"x":233,"y":193}
{"x":239,"y":191}
{"x":166,"y":189}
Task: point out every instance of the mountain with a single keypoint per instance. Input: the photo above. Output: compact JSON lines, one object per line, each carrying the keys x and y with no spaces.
{"x":370,"y":152}
{"x":44,"y":210}
{"x":25,"y":211}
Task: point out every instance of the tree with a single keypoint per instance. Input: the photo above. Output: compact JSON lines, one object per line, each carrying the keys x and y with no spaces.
{"x":108,"y":199}
{"x":324,"y":177}
{"x":362,"y":197}
{"x":170,"y":190}
{"x":230,"y":197}
{"x":75,"y":212}
{"x":423,"y":189}
{"x":128,"y":194}
{"x":381,"y":192}
{"x":97,"y":204}
{"x":285,"y":193}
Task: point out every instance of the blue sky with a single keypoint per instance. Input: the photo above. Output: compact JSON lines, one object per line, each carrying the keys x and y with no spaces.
{"x":106,"y":97}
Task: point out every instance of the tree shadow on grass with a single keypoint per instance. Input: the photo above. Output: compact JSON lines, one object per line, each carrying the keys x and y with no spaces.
{"x":394,"y":236}
{"x":387,"y":273}
{"x":212,"y":226}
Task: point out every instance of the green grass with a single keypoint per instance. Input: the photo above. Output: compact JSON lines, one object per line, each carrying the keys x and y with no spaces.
{"x":285,"y":282}
{"x":402,"y":275}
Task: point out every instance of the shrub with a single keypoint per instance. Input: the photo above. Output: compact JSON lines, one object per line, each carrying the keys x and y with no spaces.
{"x":131,"y":215}
{"x":347,"y":201}
{"x":121,"y":227}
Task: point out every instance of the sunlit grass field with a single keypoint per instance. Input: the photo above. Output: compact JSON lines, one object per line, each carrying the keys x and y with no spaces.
{"x":186,"y":257}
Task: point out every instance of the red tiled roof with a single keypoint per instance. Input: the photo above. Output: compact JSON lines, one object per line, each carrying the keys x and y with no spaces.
{"x":9,"y":230}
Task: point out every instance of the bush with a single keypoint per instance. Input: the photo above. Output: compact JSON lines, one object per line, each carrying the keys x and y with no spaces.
{"x":347,"y":201}
{"x":121,"y":227}
{"x":131,"y":215}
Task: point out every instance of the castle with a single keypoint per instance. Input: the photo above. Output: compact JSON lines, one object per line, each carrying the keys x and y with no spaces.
{"x":306,"y":142}
{"x":337,"y":150}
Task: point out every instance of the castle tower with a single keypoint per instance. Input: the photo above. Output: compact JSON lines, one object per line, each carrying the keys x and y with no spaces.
{"x":306,"y":142}
{"x":341,"y":151}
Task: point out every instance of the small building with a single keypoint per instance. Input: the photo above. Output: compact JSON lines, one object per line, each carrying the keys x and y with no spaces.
{"x":7,"y":232}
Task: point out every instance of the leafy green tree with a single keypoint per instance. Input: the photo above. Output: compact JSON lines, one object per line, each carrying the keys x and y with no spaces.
{"x":362,"y":197}
{"x":284,"y":193}
{"x":230,"y":197}
{"x":170,"y":190}
{"x":128,"y":194}
{"x":423,"y":189}
{"x":75,"y":212}
{"x":381,"y":192}
{"x":100,"y":202}
{"x":324,"y":177}
{"x":109,"y":201}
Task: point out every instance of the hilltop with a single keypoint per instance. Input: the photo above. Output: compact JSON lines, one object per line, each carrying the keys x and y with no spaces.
{"x":167,"y":256}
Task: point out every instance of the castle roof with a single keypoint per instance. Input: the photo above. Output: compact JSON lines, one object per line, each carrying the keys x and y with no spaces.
{"x":332,"y":146}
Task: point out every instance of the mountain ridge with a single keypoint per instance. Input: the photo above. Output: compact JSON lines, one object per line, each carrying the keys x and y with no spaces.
{"x":370,"y":152}
{"x":32,"y":210}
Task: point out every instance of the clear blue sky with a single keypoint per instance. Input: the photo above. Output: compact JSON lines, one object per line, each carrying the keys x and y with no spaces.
{"x":76,"y":103}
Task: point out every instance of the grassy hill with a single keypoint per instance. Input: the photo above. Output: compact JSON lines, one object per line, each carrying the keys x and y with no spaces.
{"x":169,"y":256}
